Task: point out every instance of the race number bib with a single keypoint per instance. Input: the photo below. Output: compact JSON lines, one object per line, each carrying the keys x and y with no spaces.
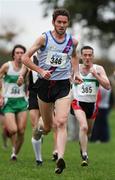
{"x":88,"y":88}
{"x":15,"y":90}
{"x":56,"y":59}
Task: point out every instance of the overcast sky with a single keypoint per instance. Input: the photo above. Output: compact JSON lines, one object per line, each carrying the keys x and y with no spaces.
{"x":28,"y":18}
{"x":27,"y":15}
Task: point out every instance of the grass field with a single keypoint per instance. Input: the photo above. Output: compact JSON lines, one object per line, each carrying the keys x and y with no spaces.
{"x":101,"y":160}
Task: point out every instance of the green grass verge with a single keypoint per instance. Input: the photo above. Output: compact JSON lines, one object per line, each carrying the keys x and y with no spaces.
{"x":101,"y":160}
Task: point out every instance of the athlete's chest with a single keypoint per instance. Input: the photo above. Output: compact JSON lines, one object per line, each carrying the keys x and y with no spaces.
{"x":85,"y":72}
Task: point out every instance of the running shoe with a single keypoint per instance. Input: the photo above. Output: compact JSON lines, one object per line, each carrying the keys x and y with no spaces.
{"x":55,"y":156}
{"x":13,"y":157}
{"x":39,"y":163}
{"x":60,"y":166}
{"x":84,"y":160}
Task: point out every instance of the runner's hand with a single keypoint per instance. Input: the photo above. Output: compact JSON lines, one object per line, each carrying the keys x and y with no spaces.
{"x":93,"y":71}
{"x":46,"y":74}
{"x":77,"y":79}
{"x":20,"y":80}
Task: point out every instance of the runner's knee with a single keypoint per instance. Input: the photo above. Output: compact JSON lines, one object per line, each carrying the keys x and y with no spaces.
{"x":47,"y":129}
{"x":21,"y":131}
{"x":84,"y":128}
{"x":12,"y":131}
{"x":61,"y":122}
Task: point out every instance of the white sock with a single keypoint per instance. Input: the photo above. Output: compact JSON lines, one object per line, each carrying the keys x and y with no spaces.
{"x":37,"y":149}
{"x":13,"y":150}
{"x":84,"y":153}
{"x":55,"y":152}
{"x":13,"y":155}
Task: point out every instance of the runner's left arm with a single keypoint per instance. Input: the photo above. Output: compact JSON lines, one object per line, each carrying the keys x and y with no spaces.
{"x":75,"y":63}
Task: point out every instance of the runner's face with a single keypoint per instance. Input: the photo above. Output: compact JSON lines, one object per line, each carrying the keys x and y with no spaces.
{"x":87,"y":57}
{"x":60,"y":24}
{"x":18,"y":54}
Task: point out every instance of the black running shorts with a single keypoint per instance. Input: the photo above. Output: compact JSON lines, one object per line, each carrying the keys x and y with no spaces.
{"x":33,"y":100}
{"x":51,"y":90}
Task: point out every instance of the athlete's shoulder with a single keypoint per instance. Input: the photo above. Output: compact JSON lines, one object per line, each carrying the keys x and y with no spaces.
{"x":6,"y":65}
{"x":46,"y":34}
{"x":44,"y":39}
{"x":41,"y":41}
{"x":97,"y":66}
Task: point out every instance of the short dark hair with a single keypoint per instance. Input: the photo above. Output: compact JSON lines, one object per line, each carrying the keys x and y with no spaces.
{"x":18,"y":46}
{"x":86,"y":47}
{"x":61,"y":11}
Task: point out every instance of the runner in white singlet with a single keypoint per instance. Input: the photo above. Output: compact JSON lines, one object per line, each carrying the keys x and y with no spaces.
{"x":84,"y":97}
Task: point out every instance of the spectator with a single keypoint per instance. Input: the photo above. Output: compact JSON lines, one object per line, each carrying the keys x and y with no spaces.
{"x":101,"y":130}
